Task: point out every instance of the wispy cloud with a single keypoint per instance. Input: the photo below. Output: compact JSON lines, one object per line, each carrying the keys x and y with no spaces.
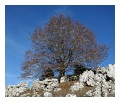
{"x":13,"y":43}
{"x":11,"y":79}
{"x":10,"y":75}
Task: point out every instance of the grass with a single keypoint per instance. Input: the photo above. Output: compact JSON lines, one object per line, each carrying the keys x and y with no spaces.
{"x":64,"y":90}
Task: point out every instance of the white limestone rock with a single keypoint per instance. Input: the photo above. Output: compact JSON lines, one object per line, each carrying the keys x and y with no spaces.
{"x":15,"y":90}
{"x":102,"y":89}
{"x":47,"y":94}
{"x":47,"y":84}
{"x":101,"y":70}
{"x":90,"y":82}
{"x":36,"y":85}
{"x":76,"y":86}
{"x":88,"y":77}
{"x":63,"y":79}
{"x":108,"y":71}
{"x":89,"y":93}
{"x":71,"y":95}
{"x":99,"y":77}
{"x":57,"y":89}
{"x":111,"y":70}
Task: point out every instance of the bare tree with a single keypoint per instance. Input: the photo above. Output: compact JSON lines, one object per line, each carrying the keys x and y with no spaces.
{"x":62,"y":43}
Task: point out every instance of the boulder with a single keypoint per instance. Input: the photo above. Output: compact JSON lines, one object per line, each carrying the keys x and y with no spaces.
{"x":36,"y":85}
{"x":101,"y":70}
{"x":87,"y":77}
{"x":99,"y":77}
{"x":102,"y":89}
{"x":90,"y":82}
{"x":71,"y":95}
{"x":111,"y":71}
{"x":47,"y":94}
{"x":76,"y":86}
{"x":47,"y":85}
{"x":63,"y":79}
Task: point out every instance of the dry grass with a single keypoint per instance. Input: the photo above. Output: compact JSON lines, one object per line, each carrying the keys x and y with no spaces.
{"x":65,"y":90}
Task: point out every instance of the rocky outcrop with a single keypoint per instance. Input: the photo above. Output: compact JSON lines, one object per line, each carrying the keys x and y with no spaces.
{"x":46,"y":85}
{"x":77,"y":86}
{"x":109,"y":71}
{"x":101,"y":83}
{"x":87,"y":77}
{"x":15,"y":91}
{"x":102,"y":89}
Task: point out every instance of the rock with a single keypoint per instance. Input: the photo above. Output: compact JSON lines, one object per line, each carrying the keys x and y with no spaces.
{"x":94,"y":92}
{"x":71,"y":95}
{"x":81,"y":85}
{"x":47,"y":94}
{"x":35,"y":94}
{"x":89,"y":93}
{"x":99,"y":77}
{"x":101,"y":70}
{"x":36,"y":85}
{"x":76,"y":86}
{"x":23,"y":95}
{"x":63,"y":79}
{"x":23,"y":84}
{"x":102,"y":89}
{"x":57,"y":89}
{"x":14,"y":91}
{"x":47,"y":84}
{"x":111,"y":88}
{"x":90,"y":82}
{"x":111,"y":71}
{"x":72,"y":78}
{"x":87,"y":77}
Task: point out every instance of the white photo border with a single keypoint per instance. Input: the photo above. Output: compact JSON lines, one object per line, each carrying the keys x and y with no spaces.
{"x":59,"y":2}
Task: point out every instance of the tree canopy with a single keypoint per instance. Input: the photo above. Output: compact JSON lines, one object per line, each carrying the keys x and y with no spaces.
{"x":59,"y":44}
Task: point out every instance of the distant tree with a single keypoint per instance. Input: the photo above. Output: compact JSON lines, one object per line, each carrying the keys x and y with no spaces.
{"x":59,"y":44}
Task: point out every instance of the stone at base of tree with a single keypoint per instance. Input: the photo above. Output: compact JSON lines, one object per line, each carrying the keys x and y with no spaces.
{"x":63,"y":79}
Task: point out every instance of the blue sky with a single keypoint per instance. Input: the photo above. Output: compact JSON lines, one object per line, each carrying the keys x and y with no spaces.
{"x":20,"y":21}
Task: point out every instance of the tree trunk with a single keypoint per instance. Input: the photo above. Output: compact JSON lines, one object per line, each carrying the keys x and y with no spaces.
{"x":61,"y":73}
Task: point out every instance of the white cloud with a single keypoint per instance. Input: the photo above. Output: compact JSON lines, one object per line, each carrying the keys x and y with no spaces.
{"x":13,"y":43}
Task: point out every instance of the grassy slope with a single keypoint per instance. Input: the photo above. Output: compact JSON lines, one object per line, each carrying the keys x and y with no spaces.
{"x":65,"y":90}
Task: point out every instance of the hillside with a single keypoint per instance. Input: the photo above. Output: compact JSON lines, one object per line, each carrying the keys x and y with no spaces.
{"x":100,"y":83}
